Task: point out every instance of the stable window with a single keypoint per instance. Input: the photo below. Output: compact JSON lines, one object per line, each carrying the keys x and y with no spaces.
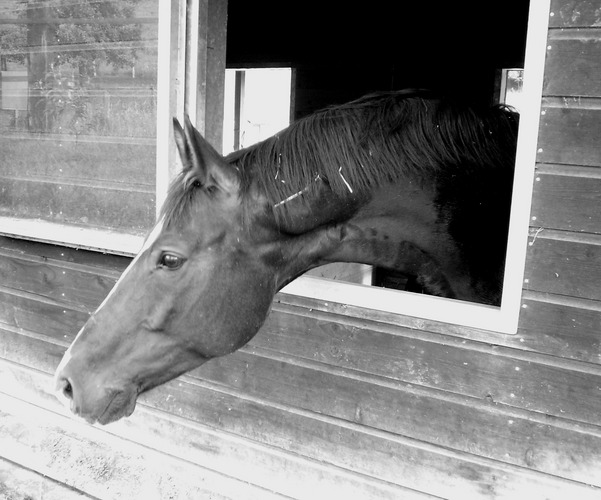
{"x":522,"y":90}
{"x":352,"y":284}
{"x":87,"y":92}
{"x":78,"y":121}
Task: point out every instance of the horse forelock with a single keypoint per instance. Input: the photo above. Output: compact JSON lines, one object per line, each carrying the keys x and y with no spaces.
{"x":379,"y":139}
{"x":179,"y":205}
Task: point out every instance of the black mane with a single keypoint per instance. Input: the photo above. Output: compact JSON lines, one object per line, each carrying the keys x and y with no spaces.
{"x":378,"y":139}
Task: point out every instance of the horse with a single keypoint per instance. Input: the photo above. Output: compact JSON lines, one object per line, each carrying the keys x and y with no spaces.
{"x":405,"y":181}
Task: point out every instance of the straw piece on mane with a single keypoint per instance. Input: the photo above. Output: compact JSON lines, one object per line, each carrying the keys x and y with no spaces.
{"x":379,"y":139}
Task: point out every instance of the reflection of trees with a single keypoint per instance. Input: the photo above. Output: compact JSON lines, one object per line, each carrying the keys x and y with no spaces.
{"x":66,"y":41}
{"x":12,"y":40}
{"x":97,"y":39}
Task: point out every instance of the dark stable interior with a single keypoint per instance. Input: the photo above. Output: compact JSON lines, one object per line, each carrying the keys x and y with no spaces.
{"x":342,"y":50}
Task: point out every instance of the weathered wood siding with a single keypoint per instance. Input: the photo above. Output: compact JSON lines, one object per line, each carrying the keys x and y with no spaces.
{"x":318,"y":399}
{"x":564,"y":262}
{"x":331,"y":401}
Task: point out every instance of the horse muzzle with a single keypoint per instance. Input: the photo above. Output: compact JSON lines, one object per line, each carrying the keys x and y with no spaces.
{"x":94,"y":403}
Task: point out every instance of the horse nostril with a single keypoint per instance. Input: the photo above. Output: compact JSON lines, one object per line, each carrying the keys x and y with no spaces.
{"x":67,"y":389}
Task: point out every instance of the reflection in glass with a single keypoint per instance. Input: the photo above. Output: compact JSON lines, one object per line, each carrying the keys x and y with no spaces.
{"x":78,"y":112}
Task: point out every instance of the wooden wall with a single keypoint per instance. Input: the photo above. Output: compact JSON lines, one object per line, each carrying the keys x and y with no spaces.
{"x":332,"y":401}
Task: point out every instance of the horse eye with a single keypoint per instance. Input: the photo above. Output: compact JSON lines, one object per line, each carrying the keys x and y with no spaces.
{"x":170,"y":261}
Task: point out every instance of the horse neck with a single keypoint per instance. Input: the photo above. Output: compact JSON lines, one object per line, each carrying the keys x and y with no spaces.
{"x":386,"y":228}
{"x":400,"y":229}
{"x":397,"y":226}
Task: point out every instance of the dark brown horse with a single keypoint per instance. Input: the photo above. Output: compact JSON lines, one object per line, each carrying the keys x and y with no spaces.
{"x":402,"y":181}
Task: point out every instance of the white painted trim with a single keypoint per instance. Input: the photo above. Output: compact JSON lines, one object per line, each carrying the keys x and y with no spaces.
{"x":398,"y":302}
{"x":72,"y":236}
{"x":163,"y":105}
{"x":534,"y":71}
{"x":503,"y":319}
{"x":192,"y":63}
{"x":171,"y":86}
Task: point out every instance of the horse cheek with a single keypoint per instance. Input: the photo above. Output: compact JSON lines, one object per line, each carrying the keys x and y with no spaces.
{"x":239,"y":319}
{"x":255,"y":305}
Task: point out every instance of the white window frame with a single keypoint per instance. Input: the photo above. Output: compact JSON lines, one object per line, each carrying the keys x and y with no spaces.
{"x":503,"y":319}
{"x":170,"y":102}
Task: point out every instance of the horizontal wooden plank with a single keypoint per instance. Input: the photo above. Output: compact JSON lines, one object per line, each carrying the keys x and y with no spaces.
{"x":527,"y":339}
{"x":564,"y":264}
{"x":567,"y":198}
{"x":21,"y":483}
{"x":29,"y":349}
{"x":78,"y":286}
{"x":568,"y":133}
{"x":390,"y":458}
{"x":395,"y":407}
{"x":432,"y":469}
{"x":238,"y":414}
{"x":82,"y":463}
{"x":213,"y":452}
{"x":559,"y":327}
{"x":452,"y":422}
{"x":510,"y":377}
{"x":380,"y":353}
{"x":87,"y":260}
{"x":447,"y":364}
{"x":52,"y":271}
{"x":74,"y":236}
{"x":345,"y":445}
{"x":574,"y":13}
{"x":573,"y":63}
{"x":340,"y":355}
{"x":44,"y":317}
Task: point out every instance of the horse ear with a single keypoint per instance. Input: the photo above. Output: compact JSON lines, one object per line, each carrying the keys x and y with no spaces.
{"x":201,"y":161}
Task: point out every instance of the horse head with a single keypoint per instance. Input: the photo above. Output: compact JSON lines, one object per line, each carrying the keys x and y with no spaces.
{"x":200,"y":287}
{"x":429,"y":199}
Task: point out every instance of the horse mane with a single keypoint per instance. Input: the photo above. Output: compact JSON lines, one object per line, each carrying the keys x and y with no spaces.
{"x":379,"y":139}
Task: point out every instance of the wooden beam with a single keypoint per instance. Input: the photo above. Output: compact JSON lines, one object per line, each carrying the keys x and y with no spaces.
{"x":205,"y":66}
{"x":238,"y":107}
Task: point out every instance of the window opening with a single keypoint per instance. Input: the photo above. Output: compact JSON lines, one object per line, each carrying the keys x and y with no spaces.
{"x":511,"y":85}
{"x":257,"y":105}
{"x":521,"y":90}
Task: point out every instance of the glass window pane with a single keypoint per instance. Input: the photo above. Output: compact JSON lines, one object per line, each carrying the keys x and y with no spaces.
{"x":78,"y":112}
